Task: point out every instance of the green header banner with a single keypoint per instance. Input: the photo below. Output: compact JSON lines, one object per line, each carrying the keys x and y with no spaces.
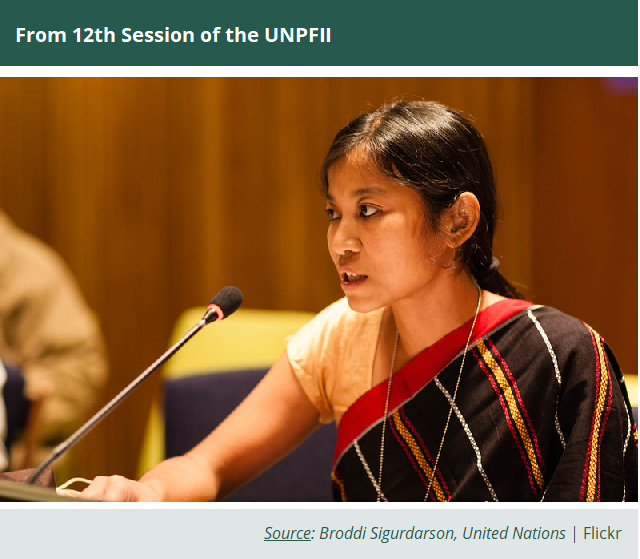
{"x":327,"y":33}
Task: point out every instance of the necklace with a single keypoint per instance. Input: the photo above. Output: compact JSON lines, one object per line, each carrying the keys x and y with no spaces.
{"x":453,"y":400}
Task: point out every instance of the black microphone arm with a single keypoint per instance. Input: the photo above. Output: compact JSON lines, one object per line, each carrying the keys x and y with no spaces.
{"x":221,"y":306}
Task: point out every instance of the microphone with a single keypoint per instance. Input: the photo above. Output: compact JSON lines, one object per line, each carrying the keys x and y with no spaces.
{"x":225,"y":303}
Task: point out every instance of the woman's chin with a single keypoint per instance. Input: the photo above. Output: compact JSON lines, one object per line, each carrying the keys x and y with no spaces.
{"x":361,"y":305}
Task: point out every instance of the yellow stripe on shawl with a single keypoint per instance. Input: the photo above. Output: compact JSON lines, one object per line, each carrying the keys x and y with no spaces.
{"x":419,"y":456}
{"x":513,"y":410}
{"x":592,"y":479}
{"x":340,"y":485}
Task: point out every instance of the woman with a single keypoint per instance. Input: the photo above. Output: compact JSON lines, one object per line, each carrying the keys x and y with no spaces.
{"x":445,"y":385}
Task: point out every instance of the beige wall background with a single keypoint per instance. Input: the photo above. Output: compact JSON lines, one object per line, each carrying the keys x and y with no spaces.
{"x":159,"y":191}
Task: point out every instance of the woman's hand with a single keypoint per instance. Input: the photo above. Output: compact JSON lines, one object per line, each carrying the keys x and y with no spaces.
{"x":119,"y":488}
{"x":272,"y":420}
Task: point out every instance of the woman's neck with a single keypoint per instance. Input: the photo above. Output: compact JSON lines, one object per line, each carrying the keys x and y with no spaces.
{"x":422,"y":321}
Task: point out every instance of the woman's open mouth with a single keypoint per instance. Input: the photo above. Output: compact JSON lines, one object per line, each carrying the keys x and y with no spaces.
{"x":349,"y":280}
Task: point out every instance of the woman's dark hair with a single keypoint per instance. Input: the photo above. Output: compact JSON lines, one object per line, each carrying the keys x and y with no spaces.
{"x":437,"y":152}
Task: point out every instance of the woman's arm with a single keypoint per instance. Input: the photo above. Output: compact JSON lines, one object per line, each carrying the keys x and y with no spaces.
{"x":599,"y":456}
{"x":271,"y":421}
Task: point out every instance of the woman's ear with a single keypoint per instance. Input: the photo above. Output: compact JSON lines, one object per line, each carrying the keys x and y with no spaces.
{"x":460,"y":221}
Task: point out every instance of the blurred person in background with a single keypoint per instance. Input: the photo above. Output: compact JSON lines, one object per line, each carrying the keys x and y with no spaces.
{"x":51,"y":348}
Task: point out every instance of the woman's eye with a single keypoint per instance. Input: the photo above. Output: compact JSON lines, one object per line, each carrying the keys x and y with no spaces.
{"x":368,"y":211}
{"x":333,"y":215}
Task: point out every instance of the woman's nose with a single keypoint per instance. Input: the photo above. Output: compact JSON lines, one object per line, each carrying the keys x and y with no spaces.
{"x":343,"y":238}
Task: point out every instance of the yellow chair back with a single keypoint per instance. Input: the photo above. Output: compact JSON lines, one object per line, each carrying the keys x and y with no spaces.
{"x":249,"y":339}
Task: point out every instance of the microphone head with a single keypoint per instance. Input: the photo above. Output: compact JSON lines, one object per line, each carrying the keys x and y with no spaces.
{"x":225,"y":303}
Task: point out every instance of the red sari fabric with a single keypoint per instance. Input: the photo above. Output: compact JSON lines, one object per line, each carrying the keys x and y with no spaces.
{"x":539,"y":415}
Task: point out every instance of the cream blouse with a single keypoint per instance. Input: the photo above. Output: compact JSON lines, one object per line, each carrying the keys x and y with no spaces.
{"x":332,"y":357}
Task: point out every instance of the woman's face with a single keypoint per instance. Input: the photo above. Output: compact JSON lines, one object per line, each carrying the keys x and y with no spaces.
{"x":378,"y":237}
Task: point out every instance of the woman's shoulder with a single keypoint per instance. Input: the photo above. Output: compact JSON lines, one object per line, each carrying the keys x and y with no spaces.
{"x":569,"y":339}
{"x":532,"y":326}
{"x":336,"y":340}
{"x":560,"y":325}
